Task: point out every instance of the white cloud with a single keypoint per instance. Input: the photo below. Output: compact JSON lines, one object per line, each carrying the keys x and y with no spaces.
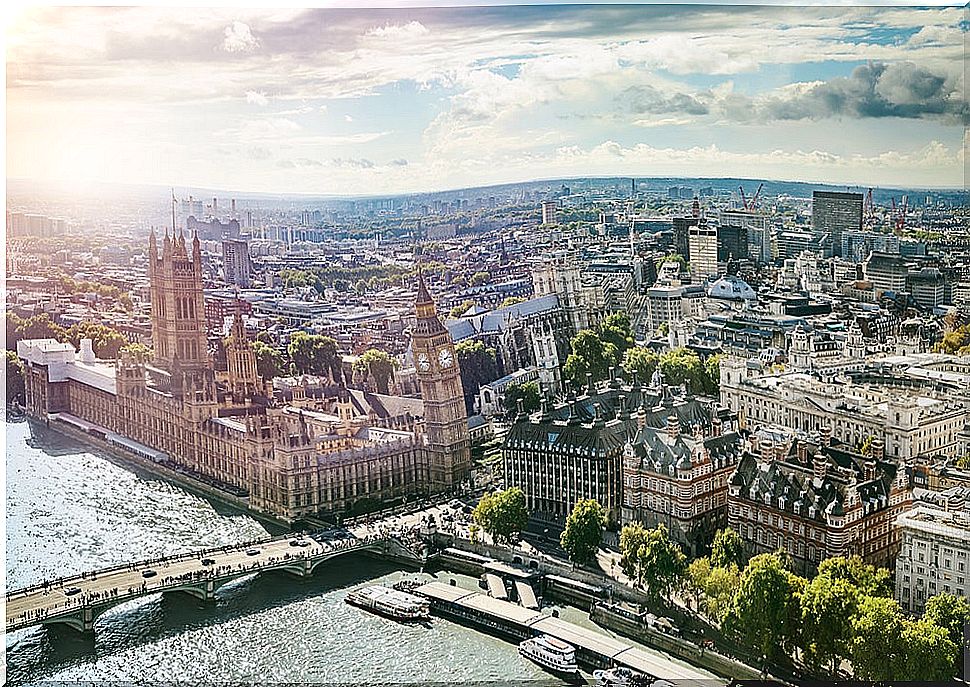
{"x":414,"y":29}
{"x":348,"y":118}
{"x":257,"y":98}
{"x":664,"y":121}
{"x":239,"y":38}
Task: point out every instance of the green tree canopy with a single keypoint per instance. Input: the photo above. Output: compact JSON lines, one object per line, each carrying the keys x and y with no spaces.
{"x":649,"y":557}
{"x":584,"y":531}
{"x":511,"y":300}
{"x":379,"y":365}
{"x":950,"y":612}
{"x":727,"y":548}
{"x":314,"y":354}
{"x":869,"y":580}
{"x":876,"y":630}
{"x":270,"y":362}
{"x":477,"y":365}
{"x":502,"y":513}
{"x":828,"y":606}
{"x":615,"y":330}
{"x":590,"y":355}
{"x":527,"y":392}
{"x":15,"y":378}
{"x":106,"y":341}
{"x":478,"y":279}
{"x":765,"y":609}
{"x":640,"y":361}
{"x":461,"y":308}
{"x":929,"y":653}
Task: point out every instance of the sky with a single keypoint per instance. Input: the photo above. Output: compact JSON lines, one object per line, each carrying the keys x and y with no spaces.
{"x":372,"y":101}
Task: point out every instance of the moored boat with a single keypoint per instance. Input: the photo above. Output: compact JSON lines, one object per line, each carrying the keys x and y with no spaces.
{"x":392,"y":603}
{"x":618,"y":677}
{"x":552,"y":654}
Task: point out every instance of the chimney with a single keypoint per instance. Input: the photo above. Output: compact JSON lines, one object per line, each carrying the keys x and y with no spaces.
{"x":716,"y":426}
{"x":590,"y":389}
{"x":820,"y":466}
{"x":802,"y":452}
{"x":877,"y":450}
{"x":87,"y":351}
{"x":826,"y":435}
{"x":869,"y":469}
{"x":673,"y":426}
{"x":641,"y":417}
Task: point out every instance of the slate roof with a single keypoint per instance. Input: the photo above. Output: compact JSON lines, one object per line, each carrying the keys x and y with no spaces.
{"x":498,"y":320}
{"x":795,"y":481}
{"x":384,"y":405}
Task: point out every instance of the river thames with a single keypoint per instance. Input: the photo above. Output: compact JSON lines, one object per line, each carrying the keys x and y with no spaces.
{"x":72,"y":508}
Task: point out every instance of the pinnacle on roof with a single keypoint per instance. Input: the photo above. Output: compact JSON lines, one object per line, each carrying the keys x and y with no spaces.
{"x":423,"y":296}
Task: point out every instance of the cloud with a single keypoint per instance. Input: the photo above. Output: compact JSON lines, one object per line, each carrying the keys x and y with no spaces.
{"x":258,"y":153}
{"x":647,"y":99}
{"x":400,"y":162}
{"x":257,"y":98}
{"x":356,"y":163}
{"x":348,"y":118}
{"x":901,"y":89}
{"x":413,"y":29}
{"x":239,"y":38}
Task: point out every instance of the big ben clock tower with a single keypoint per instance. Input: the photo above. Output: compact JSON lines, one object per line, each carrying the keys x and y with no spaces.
{"x":446,"y":424}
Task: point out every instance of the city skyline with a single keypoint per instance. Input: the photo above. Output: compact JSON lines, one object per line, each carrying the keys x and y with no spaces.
{"x":363,"y":102}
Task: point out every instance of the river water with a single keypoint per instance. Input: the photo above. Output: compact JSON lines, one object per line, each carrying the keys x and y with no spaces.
{"x":72,"y":508}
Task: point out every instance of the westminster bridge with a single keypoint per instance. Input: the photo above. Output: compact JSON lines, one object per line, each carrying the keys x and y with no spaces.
{"x":78,"y":600}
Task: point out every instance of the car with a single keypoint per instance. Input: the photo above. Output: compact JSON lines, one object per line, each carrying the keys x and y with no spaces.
{"x":252,"y":552}
{"x":302,"y":542}
{"x":148,"y":573}
{"x":208,"y":561}
{"x":294,"y":542}
{"x":71,"y":591}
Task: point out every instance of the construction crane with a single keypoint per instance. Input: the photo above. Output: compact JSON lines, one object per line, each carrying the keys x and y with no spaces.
{"x":868,"y":211}
{"x":899,"y":216}
{"x":749,"y":204}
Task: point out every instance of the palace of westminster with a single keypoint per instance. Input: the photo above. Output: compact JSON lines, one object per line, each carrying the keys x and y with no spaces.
{"x":224,"y":427}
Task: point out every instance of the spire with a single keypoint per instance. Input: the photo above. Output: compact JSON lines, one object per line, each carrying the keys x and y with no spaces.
{"x":153,"y":245}
{"x":423,"y":296}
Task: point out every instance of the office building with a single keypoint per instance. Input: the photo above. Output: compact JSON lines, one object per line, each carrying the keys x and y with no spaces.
{"x":834,"y":213}
{"x":236,"y":263}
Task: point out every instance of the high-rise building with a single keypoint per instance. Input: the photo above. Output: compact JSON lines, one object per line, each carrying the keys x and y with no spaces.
{"x":682,"y":227}
{"x":834,"y":213}
{"x":236,"y":263}
{"x":549,"y":208}
{"x":702,"y":243}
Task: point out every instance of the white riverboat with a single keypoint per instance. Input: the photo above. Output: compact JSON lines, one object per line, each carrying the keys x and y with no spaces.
{"x":618,"y":677}
{"x":550,"y":653}
{"x":389,"y":602}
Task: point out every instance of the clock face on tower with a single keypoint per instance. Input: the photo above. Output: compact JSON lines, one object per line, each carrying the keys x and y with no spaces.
{"x":445,"y":357}
{"x":423,"y":363}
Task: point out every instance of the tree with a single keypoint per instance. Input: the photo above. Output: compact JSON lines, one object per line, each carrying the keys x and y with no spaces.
{"x":527,"y":392}
{"x":379,"y":365}
{"x":876,"y":630}
{"x":589,"y":356}
{"x":478,"y":279}
{"x":139,"y":351}
{"x":106,"y":341}
{"x":502,"y":513}
{"x":511,"y":300}
{"x":314,"y":354}
{"x":765,"y":609}
{"x":477,"y":365}
{"x":648,"y":556}
{"x":40,"y":327}
{"x":584,"y":531}
{"x":828,"y":606}
{"x":869,"y":580}
{"x":461,"y":309}
{"x":727,"y":548}
{"x":615,"y":330}
{"x":928,"y":653}
{"x":15,"y":378}
{"x":950,"y":612}
{"x":270,"y":363}
{"x":641,"y":362}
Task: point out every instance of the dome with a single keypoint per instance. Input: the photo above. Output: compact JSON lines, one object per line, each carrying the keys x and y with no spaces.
{"x":732,"y":288}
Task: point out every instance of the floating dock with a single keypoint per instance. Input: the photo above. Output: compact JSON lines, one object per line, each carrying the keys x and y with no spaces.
{"x":592,"y":648}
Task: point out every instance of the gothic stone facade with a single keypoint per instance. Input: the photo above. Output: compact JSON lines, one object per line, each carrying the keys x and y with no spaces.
{"x":227,"y":432}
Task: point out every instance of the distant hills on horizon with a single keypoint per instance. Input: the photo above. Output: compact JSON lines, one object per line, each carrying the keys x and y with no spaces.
{"x":772,"y":187}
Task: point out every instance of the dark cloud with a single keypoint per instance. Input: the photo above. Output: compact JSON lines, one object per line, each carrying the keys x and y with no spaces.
{"x":901,"y":89}
{"x":400,"y":162}
{"x":649,"y":100}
